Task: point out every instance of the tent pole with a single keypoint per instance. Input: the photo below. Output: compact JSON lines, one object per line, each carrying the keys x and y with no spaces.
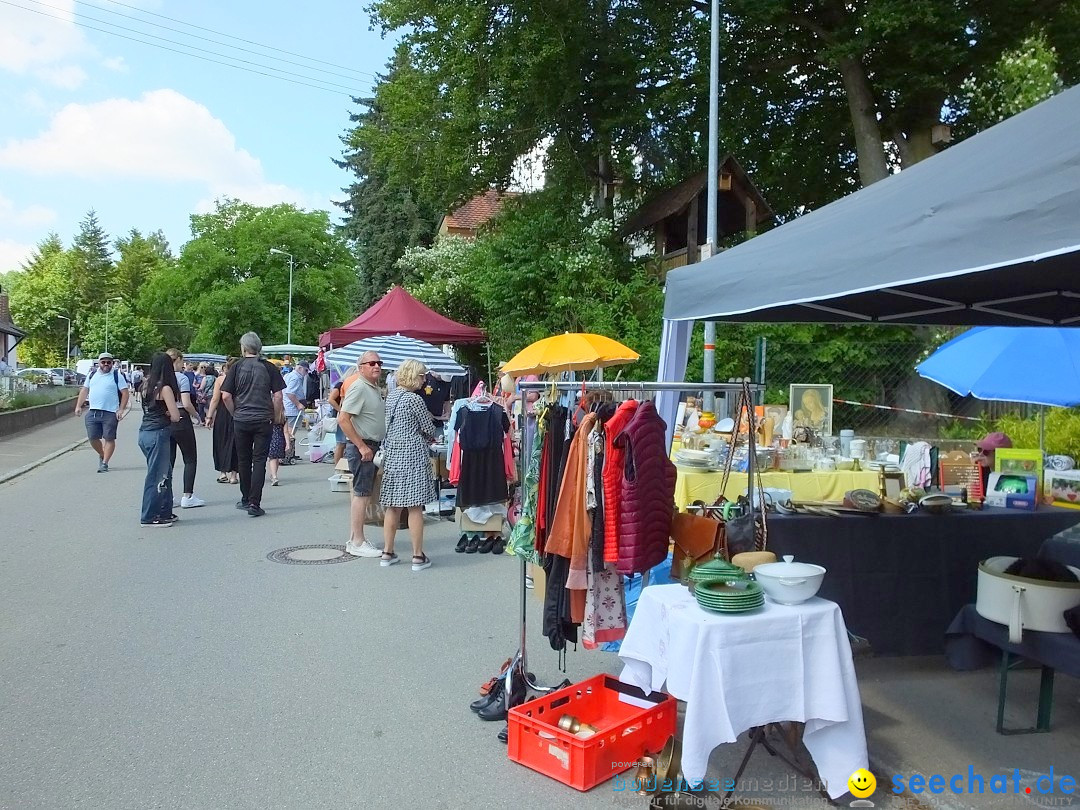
{"x":709,"y":371}
{"x":487,"y":348}
{"x":1042,"y":433}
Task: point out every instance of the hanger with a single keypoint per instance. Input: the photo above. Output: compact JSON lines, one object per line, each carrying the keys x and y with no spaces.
{"x":481,"y":398}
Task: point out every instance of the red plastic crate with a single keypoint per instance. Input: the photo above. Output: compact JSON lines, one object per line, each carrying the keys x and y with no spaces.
{"x":624,"y":731}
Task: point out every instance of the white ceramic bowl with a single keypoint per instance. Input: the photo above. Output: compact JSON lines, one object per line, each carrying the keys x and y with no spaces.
{"x":789,"y":582}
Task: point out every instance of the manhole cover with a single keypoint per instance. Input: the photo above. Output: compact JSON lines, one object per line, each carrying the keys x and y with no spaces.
{"x":310,"y":555}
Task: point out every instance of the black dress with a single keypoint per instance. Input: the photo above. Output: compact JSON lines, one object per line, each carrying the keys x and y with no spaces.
{"x":224,"y":446}
{"x":483,"y":471}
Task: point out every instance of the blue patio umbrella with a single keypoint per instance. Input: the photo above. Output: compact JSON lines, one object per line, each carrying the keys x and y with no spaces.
{"x":1033,"y":364}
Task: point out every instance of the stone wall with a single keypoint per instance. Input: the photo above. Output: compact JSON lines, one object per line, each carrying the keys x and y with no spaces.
{"x":25,"y":418}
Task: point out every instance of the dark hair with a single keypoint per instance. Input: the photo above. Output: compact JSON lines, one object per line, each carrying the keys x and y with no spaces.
{"x":161,"y":374}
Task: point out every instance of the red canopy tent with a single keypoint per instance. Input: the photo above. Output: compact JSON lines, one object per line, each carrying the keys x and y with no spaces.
{"x":396,"y":313}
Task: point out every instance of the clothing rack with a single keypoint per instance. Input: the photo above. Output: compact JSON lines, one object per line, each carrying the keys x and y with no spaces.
{"x":519,"y":663}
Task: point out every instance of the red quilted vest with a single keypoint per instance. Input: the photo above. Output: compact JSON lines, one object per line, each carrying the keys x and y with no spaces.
{"x":646,"y":492}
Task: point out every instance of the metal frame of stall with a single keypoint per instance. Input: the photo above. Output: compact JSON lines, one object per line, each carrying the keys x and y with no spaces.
{"x":519,"y":662}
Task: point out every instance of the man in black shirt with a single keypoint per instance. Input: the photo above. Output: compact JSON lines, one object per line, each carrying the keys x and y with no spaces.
{"x":252,"y":393}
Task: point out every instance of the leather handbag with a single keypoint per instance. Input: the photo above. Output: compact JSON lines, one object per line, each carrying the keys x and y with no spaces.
{"x":697,"y":539}
{"x":747,"y":530}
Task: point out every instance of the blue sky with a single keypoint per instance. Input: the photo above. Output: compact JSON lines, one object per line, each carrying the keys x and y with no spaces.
{"x":146,"y":136}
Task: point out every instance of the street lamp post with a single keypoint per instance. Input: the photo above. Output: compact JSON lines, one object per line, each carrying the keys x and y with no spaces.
{"x":67,"y":357}
{"x":107,"y":302}
{"x":288,"y":337}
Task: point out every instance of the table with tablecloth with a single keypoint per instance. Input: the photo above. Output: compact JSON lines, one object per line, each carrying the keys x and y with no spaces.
{"x":704,"y":485}
{"x":739,"y":671}
{"x":900,"y":579}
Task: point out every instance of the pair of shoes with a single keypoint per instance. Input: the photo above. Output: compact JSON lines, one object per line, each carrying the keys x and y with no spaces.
{"x":425,"y":562}
{"x":102,"y":465}
{"x":497,"y":709}
{"x":191,"y":502}
{"x":486,"y":545}
{"x":500,"y":545}
{"x":504,"y":735}
{"x":254,"y":510}
{"x":495,"y":693}
{"x":273,"y":482}
{"x":242,"y":505}
{"x":473,"y":545}
{"x":161,"y":523}
{"x":388,"y":559}
{"x":365,"y":549}
{"x":464,"y":541}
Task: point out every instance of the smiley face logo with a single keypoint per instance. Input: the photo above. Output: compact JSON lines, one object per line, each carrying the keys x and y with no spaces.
{"x":862,"y":783}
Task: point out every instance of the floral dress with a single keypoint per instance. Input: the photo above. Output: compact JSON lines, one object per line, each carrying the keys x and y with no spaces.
{"x":407,"y":479}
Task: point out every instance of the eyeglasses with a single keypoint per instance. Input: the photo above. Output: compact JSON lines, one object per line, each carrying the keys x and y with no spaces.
{"x":373,"y":362}
{"x":104,"y":362}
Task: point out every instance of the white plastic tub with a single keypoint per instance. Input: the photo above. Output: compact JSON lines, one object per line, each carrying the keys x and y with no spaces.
{"x":1022,"y":603}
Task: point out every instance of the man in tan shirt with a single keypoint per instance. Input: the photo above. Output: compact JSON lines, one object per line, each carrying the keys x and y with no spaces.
{"x":362,"y":418}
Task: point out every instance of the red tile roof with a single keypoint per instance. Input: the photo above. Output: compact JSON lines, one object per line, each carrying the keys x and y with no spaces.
{"x":480,"y":209}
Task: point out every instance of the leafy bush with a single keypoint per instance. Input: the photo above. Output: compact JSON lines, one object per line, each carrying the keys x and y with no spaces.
{"x":24,"y":399}
{"x":1062,"y":431}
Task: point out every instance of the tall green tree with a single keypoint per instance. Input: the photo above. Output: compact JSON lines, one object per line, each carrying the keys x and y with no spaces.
{"x":40,"y":294}
{"x":93,"y":269}
{"x":227,"y":282}
{"x":383,"y":215}
{"x":122,"y":332}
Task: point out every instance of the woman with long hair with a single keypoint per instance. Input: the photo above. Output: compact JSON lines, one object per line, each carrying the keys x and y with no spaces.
{"x":407,"y":479}
{"x":155,"y":440}
{"x":219,"y":418}
{"x":184,"y":433}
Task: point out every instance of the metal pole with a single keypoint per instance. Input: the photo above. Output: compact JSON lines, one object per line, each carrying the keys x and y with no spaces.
{"x":67,"y":359}
{"x":107,"y":325}
{"x":709,"y":371}
{"x":288,"y":338}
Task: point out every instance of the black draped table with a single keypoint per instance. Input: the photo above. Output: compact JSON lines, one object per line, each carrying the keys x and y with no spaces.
{"x":900,"y":579}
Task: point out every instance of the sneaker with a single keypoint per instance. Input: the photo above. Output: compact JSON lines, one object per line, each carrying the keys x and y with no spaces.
{"x":255,"y":510}
{"x":388,"y":559}
{"x":365,"y":549}
{"x":191,"y":502}
{"x":102,"y":466}
{"x":242,"y":505}
{"x":425,"y":562}
{"x":161,"y":523}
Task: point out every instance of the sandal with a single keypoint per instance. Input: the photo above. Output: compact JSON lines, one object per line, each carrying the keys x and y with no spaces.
{"x":223,"y":479}
{"x":388,"y":559}
{"x":425,"y":562}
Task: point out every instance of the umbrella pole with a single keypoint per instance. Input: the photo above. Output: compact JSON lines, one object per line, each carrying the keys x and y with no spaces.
{"x":487,"y":348}
{"x":1042,"y":433}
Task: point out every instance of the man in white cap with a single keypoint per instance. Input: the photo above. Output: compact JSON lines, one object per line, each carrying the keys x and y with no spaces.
{"x":106,"y":392}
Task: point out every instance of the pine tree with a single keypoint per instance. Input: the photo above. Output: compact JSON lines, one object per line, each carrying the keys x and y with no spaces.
{"x":93,"y":269}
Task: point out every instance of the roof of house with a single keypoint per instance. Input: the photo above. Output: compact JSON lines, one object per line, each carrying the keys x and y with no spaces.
{"x":7,"y":326}
{"x":672,"y":200}
{"x":480,"y":209}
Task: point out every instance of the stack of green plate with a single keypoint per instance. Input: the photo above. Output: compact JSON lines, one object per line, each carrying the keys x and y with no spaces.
{"x":716,"y":570}
{"x":730,"y":597}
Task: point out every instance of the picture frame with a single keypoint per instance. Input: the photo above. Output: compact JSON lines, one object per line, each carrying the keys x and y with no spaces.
{"x":1063,"y":488}
{"x":811,"y":405}
{"x":1020,"y":461}
{"x":774,"y":413}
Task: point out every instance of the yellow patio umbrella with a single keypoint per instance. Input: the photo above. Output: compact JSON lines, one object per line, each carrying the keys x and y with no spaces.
{"x":573,"y":351}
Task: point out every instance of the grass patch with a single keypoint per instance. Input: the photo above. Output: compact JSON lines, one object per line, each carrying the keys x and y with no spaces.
{"x":42,"y":396}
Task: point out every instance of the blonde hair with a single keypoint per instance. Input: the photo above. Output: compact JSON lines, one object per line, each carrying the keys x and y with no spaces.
{"x":410,"y":374}
{"x":175,"y":354}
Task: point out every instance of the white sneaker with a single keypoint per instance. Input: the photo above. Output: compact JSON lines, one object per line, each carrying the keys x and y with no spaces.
{"x":191,"y":501}
{"x":176,"y":502}
{"x":365,"y":549}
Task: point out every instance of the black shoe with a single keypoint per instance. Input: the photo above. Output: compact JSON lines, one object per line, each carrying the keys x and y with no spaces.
{"x":496,"y":693}
{"x":486,"y":545}
{"x":464,"y":541}
{"x":504,"y":735}
{"x":473,"y":545}
{"x":255,"y":510}
{"x":500,"y":545}
{"x":497,"y":710}
{"x":242,"y":505}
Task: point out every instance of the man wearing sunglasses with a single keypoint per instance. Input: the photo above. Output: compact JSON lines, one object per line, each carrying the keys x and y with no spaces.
{"x":362,"y":418}
{"x":106,"y":391}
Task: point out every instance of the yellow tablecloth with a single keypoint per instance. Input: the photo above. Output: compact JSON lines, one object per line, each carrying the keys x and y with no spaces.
{"x":693,"y":486}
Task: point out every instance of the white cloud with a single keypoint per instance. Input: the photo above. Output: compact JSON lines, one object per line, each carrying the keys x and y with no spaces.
{"x":116,"y":63}
{"x":13,"y":254}
{"x":44,"y":42}
{"x":33,"y":216}
{"x":162,"y":136}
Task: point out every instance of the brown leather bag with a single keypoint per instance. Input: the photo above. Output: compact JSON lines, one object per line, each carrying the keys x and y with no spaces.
{"x":697,"y":539}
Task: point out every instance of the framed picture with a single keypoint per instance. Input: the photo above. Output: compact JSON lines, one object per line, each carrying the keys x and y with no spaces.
{"x":774,"y":414}
{"x":811,"y":406}
{"x":1063,"y":488}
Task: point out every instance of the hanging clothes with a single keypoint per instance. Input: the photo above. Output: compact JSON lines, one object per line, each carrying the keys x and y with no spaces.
{"x":523,"y":536}
{"x":481,"y":436}
{"x":613,"y":462}
{"x":646,"y":492}
{"x":572,"y":526}
{"x":605,"y":607}
{"x":552,"y":463}
{"x":558,"y":625}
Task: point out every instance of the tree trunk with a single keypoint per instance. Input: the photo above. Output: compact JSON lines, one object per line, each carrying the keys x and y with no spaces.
{"x":869,"y":145}
{"x":915,"y":146}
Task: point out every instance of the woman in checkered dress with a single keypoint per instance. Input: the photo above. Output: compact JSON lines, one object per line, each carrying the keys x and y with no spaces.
{"x":407,"y":482}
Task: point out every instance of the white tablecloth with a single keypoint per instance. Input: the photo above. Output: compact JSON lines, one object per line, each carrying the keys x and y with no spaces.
{"x":780,"y":663}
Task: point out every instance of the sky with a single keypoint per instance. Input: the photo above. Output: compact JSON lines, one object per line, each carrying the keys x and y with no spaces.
{"x":146,"y":136}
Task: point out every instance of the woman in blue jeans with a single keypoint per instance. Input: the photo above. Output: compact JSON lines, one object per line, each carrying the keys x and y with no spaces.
{"x":160,"y":391}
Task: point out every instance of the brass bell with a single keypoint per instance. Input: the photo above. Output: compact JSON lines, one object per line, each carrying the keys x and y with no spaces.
{"x":645,"y":776}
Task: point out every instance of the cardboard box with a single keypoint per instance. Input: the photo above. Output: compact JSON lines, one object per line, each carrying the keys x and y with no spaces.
{"x":494,"y":523}
{"x":1063,"y":488}
{"x":1021,"y":462}
{"x":1012,"y":491}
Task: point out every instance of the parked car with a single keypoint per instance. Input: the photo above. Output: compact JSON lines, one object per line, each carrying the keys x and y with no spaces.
{"x":41,"y":376}
{"x":67,"y":374}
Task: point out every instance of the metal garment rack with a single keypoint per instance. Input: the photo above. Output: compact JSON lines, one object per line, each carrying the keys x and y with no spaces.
{"x":519,"y":663}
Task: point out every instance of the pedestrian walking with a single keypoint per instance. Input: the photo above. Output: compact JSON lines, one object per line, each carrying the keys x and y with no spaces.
{"x":155,"y":440}
{"x":136,"y":382}
{"x":106,"y":392}
{"x":252,"y":393}
{"x":295,"y":391}
{"x":183,"y":434}
{"x":276,"y":452}
{"x":407,"y":481}
{"x":220,"y":420}
{"x":362,"y":418}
